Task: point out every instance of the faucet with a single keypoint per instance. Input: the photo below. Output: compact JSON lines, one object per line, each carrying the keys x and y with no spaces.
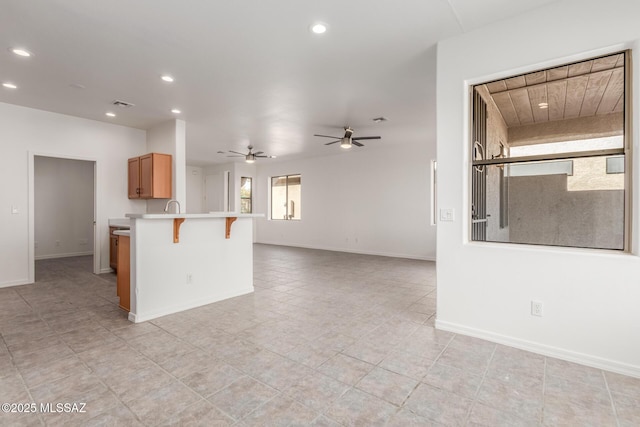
{"x":166,"y":207}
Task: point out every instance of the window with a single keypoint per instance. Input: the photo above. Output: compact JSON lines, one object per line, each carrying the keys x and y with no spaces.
{"x":245,"y":195}
{"x":285,"y":197}
{"x":548,"y":157}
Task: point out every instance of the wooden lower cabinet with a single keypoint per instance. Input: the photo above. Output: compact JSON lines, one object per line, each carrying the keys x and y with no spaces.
{"x":124,"y":273}
{"x":113,"y":249}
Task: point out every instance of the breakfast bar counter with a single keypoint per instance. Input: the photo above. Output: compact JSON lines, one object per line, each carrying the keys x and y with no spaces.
{"x":182,"y":261}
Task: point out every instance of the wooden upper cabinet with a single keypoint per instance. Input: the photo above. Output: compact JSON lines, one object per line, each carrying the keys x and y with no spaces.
{"x":146,"y":177}
{"x":134,"y":178}
{"x":150,"y":176}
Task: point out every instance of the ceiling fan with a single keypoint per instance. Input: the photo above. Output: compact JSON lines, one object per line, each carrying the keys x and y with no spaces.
{"x":251,"y":156}
{"x":347,"y":140}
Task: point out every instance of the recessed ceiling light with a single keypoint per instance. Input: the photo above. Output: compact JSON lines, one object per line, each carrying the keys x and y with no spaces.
{"x":110,"y":114}
{"x":176,"y":111}
{"x":543,"y":105}
{"x":167,"y":78}
{"x":319,"y":28}
{"x":9,"y":85}
{"x":21,"y":52}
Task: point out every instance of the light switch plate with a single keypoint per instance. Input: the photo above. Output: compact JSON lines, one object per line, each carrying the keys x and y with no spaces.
{"x":14,"y":210}
{"x":446,"y":214}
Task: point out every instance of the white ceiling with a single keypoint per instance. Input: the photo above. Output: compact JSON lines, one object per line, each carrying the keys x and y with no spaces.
{"x":246,"y":71}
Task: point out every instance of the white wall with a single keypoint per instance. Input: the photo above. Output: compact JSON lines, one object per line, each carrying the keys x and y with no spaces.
{"x":590,"y":297}
{"x":170,"y":138}
{"x":195,"y":189}
{"x":236,"y":170}
{"x":25,"y":132}
{"x":214,"y":187}
{"x":63,"y":202}
{"x":368,"y":200}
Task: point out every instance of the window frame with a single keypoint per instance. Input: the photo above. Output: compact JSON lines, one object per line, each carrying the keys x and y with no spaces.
{"x":625,"y":151}
{"x":250,"y":198}
{"x":286,"y":177}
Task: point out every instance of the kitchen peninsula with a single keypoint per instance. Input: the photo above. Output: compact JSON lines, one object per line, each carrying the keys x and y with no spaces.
{"x":182,"y":261}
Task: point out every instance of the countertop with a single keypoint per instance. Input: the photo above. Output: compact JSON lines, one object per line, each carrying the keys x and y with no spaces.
{"x":119,"y":222}
{"x":194,"y":215}
{"x":122,"y":232}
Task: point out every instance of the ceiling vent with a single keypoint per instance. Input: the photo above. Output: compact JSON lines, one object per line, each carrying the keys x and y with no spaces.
{"x":122,"y":104}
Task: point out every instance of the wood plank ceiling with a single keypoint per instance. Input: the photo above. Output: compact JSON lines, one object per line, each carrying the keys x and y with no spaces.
{"x":583,"y":89}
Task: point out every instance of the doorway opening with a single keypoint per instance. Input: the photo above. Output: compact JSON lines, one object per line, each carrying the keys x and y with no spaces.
{"x":63,"y":215}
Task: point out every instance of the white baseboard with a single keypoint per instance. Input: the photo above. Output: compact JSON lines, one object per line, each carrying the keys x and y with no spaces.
{"x":15,"y":283}
{"x":143,"y":317}
{"x":106,"y":270}
{"x":543,"y":349}
{"x":351,"y":251}
{"x":67,"y":255}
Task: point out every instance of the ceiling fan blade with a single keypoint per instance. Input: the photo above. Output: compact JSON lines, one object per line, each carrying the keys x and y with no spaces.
{"x":365,"y":137}
{"x":235,"y":152}
{"x":261,"y":155}
{"x":327,"y":136}
{"x":238,"y":156}
{"x":332,"y":142}
{"x":357,"y":143}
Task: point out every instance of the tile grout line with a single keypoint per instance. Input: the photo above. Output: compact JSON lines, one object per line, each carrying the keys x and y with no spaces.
{"x":613,"y":405}
{"x":113,"y":393}
{"x":433,"y":362}
{"x":475,"y":402}
{"x":40,"y":417}
{"x":541,"y":416}
{"x":244,"y":374}
{"x":58,"y":336}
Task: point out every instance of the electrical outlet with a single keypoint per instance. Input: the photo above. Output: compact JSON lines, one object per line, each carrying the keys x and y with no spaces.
{"x":536,"y":308}
{"x":189,"y":278}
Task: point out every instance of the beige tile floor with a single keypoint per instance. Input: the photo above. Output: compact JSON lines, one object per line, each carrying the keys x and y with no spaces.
{"x":327,"y":339}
